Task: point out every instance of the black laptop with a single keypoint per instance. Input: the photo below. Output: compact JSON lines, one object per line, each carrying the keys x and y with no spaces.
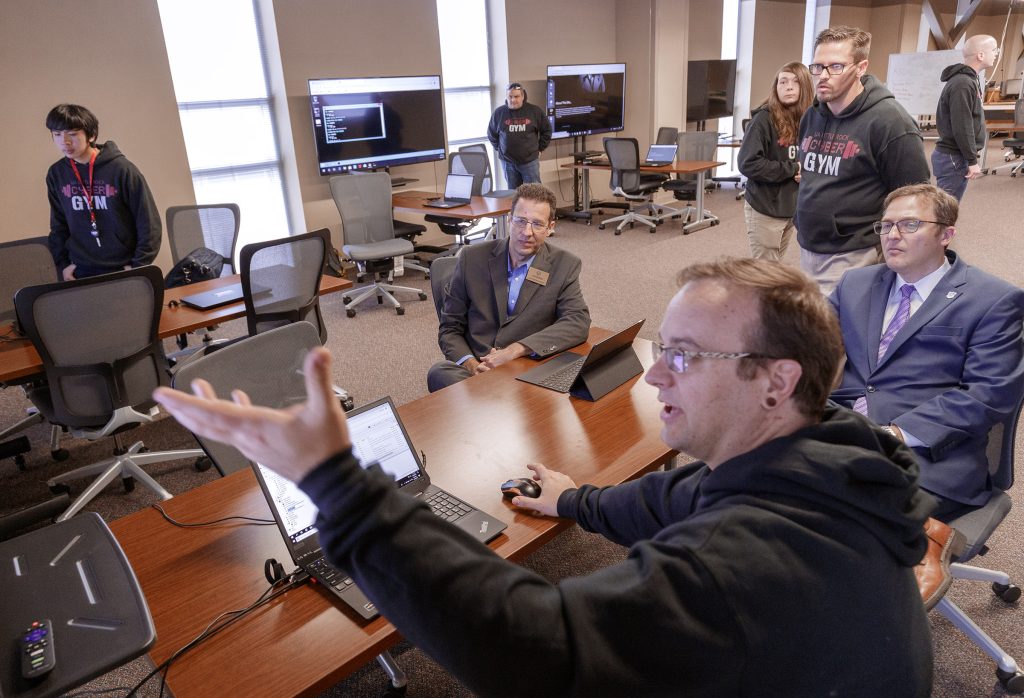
{"x":378,"y":436}
{"x":659,"y":155}
{"x":458,"y":190}
{"x":610,"y":363}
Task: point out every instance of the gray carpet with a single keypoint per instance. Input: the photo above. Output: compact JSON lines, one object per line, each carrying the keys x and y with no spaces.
{"x":624,"y":277}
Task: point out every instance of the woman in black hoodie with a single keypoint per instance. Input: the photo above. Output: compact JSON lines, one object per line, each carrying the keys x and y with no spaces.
{"x":768,"y":159}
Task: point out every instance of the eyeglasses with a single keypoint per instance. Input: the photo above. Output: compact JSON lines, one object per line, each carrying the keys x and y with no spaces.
{"x":678,"y":360}
{"x":833,"y":68}
{"x":905,"y":226}
{"x":519,"y":224}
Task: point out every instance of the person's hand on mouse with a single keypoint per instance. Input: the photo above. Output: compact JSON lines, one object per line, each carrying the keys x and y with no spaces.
{"x":552,"y":485}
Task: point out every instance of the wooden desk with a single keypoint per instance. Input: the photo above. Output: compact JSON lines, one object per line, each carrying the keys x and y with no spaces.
{"x":694,"y":167}
{"x":19,"y":359}
{"x":475,"y":435}
{"x":478,"y":207}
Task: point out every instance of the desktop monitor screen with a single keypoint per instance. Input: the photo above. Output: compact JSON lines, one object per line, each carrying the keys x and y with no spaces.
{"x":366,"y":123}
{"x":710,"y":89}
{"x":586,"y":99}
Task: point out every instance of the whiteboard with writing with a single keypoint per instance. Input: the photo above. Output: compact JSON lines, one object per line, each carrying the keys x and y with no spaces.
{"x":914,"y":78}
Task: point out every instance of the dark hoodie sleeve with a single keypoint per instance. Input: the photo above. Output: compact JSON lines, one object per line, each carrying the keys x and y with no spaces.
{"x":544,"y":126}
{"x":961,"y":118}
{"x":754,"y":159}
{"x":148,"y":228}
{"x":59,"y":231}
{"x":492,"y":131}
{"x":903,"y":162}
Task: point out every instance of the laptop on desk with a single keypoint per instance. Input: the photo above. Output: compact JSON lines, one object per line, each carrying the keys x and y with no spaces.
{"x":610,"y":363}
{"x":378,"y":436}
{"x":458,"y":190}
{"x":660,"y":155}
{"x":232,"y":293}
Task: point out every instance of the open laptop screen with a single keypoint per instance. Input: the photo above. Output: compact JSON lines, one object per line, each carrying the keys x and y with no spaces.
{"x":458,"y":186}
{"x":662,"y":153}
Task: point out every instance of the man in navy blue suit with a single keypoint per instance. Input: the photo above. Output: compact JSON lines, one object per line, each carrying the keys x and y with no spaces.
{"x":933,"y":346}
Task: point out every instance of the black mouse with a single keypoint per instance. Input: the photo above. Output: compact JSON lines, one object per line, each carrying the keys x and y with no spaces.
{"x":520,"y":486}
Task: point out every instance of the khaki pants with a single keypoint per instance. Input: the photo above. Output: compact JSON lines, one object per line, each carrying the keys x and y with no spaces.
{"x":827,"y":269}
{"x":768,"y":236}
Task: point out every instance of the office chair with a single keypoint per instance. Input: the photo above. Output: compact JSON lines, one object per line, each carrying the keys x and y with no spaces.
{"x":1014,"y":146}
{"x":24,"y":263}
{"x":627,"y":183}
{"x":693,"y":145}
{"x":488,"y":183}
{"x":97,"y":338}
{"x":667,"y":135}
{"x":442,"y":270}
{"x":976,"y":526}
{"x":364,"y":202}
{"x":465,"y":162}
{"x":281,"y":281}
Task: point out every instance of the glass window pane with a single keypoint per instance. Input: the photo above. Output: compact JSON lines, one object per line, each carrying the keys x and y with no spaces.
{"x":462,"y":26}
{"x":258,"y":195}
{"x":214,"y":49}
{"x":467,"y":114}
{"x":228,"y":136}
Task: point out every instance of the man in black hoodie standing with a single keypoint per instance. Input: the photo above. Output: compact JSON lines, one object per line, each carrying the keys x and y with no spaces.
{"x":102,"y":214}
{"x":857,"y":144}
{"x":781,"y":563}
{"x":519,"y":132}
{"x":960,"y":119}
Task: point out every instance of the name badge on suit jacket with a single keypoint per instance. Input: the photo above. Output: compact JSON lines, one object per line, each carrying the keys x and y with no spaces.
{"x":537,"y":276}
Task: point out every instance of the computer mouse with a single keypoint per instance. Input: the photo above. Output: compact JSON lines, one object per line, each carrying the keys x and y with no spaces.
{"x":520,"y":486}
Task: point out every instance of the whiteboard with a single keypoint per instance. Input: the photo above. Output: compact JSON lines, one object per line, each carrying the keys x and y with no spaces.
{"x":914,"y":78}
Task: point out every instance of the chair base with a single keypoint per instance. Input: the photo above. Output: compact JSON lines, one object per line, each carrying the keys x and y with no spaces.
{"x":395,"y":674}
{"x":127,"y":465}
{"x":384,"y":292}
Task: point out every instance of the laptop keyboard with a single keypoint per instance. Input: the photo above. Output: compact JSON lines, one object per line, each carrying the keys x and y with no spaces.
{"x":327,"y":574}
{"x":446,"y":506}
{"x":562,"y":379}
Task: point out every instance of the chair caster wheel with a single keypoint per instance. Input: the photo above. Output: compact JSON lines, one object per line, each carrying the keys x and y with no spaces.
{"x":20,"y":462}
{"x":588,"y":223}
{"x":601,"y":227}
{"x":202,"y":464}
{"x":1013,"y":682}
{"x":348,"y":404}
{"x":630,"y":226}
{"x":400,"y":311}
{"x":618,"y":232}
{"x":61,"y":454}
{"x":346,"y":299}
{"x":60,"y":488}
{"x":1007,"y":592}
{"x":350,"y":312}
{"x":423,"y":296}
{"x":128,"y":483}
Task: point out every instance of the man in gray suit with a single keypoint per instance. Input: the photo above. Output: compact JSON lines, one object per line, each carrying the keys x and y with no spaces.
{"x":509,"y":298}
{"x":933,"y":347}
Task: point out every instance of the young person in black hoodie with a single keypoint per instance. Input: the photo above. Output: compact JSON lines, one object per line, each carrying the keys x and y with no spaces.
{"x":768,"y":160}
{"x":102,"y":214}
{"x":782,"y":564}
{"x":960,"y":118}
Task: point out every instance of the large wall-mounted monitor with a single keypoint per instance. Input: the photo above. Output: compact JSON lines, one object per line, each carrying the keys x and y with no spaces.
{"x":586,"y":99}
{"x":710,"y":89}
{"x":367,"y":123}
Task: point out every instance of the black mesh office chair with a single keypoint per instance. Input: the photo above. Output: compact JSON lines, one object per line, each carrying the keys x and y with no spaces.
{"x":281,"y":281}
{"x":97,"y":338}
{"x":1015,"y":146}
{"x":477,"y":164}
{"x":976,"y":527}
{"x":626,"y":182}
{"x":667,"y":135}
{"x":214,"y":226}
{"x":693,"y":145}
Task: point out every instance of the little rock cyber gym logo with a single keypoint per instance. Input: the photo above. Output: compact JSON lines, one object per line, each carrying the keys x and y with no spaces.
{"x":824,"y":156}
{"x":100,"y":192}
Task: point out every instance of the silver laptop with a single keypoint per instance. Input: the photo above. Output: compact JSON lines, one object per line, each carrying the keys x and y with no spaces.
{"x":658,"y":155}
{"x":458,"y":190}
{"x":378,"y":436}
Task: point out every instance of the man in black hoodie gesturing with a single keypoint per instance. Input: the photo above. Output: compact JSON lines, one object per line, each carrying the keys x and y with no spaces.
{"x":857,"y":144}
{"x":960,"y":119}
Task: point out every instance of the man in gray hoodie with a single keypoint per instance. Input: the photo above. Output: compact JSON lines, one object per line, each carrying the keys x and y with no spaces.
{"x":960,"y":119}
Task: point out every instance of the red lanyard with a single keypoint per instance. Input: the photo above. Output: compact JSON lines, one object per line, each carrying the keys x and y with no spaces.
{"x":87,"y":194}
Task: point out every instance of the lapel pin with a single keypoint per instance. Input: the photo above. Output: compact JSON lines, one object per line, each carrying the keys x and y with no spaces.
{"x":951,"y":295}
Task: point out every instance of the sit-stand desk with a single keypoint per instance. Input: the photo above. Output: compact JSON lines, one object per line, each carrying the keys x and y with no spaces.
{"x":191,"y":575}
{"x":478,"y":207}
{"x":694,"y":167}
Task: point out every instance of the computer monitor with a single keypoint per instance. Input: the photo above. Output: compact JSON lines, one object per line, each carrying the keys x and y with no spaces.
{"x":367,"y":123}
{"x":586,"y":99}
{"x":1010,"y":88}
{"x":710,"y":89}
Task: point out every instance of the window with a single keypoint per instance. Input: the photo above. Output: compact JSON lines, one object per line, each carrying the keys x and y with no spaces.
{"x":216,"y":55}
{"x":466,"y":71}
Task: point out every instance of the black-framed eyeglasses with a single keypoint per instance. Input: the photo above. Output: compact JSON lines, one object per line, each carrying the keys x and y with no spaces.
{"x":519,"y":223}
{"x":678,"y":360}
{"x":832,"y":68}
{"x":905,"y":226}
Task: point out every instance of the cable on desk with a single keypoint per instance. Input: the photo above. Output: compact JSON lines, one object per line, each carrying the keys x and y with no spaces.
{"x":249,"y":520}
{"x":297,"y":578}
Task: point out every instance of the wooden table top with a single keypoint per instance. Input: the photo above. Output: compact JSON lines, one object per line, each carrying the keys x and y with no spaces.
{"x":475,"y":435}
{"x":677,"y":167}
{"x":478,"y":206}
{"x":18,"y":358}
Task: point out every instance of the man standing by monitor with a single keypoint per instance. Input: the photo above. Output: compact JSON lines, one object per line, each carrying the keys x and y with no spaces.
{"x":519,"y":132}
{"x":960,"y":119}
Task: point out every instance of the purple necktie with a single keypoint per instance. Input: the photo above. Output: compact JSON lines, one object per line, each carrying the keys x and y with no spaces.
{"x":895,"y":325}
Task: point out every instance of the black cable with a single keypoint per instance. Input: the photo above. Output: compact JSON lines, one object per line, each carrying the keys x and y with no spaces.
{"x":250,"y":521}
{"x":95,"y":691}
{"x":295,"y":579}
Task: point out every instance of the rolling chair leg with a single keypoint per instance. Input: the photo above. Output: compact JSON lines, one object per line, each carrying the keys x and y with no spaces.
{"x":1007,"y":666}
{"x":391,"y":668}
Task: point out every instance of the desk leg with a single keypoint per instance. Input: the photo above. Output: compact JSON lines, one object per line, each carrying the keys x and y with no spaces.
{"x":704,"y":219}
